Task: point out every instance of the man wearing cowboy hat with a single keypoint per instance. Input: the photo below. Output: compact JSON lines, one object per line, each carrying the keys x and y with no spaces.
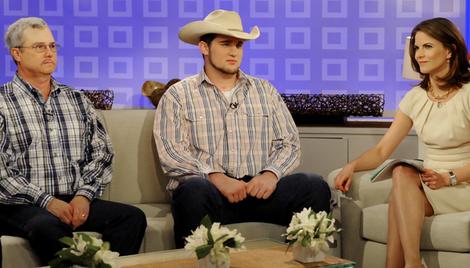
{"x":227,"y":140}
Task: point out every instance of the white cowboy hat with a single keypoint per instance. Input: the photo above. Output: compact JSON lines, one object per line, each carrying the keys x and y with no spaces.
{"x":217,"y":22}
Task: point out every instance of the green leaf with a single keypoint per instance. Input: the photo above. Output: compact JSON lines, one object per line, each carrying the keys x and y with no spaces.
{"x":86,"y":238}
{"x":230,"y":243}
{"x":203,"y":251}
{"x":206,"y":221}
{"x":103,"y":265}
{"x":220,"y":238}
{"x":89,"y":253}
{"x":66,"y":240}
{"x":330,"y":215}
{"x":210,"y":239}
{"x":321,"y":221}
{"x":293,"y":233}
{"x":306,"y":241}
{"x":59,"y":263}
{"x":290,"y":243}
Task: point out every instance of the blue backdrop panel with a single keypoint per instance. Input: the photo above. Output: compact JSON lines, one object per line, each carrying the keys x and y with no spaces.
{"x":306,"y":46}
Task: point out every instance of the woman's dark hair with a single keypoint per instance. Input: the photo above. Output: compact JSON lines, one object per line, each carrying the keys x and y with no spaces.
{"x":447,"y":33}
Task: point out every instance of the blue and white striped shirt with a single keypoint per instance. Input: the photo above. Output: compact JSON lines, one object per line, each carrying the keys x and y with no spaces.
{"x":53,"y":147}
{"x":197,"y":132}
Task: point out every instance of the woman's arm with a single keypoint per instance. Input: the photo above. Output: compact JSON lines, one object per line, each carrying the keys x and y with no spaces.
{"x":375,"y":156}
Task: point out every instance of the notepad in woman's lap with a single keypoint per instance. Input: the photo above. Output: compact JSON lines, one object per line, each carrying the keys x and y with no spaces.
{"x":385,"y":170}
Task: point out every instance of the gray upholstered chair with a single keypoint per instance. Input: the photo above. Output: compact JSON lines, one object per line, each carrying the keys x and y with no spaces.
{"x":445,"y":241}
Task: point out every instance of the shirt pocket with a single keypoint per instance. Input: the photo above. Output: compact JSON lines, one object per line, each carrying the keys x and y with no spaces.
{"x":25,"y":137}
{"x":256,"y":121}
{"x":78,"y":131}
{"x":200,"y":132}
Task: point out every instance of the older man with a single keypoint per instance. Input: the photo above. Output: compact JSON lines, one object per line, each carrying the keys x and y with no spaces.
{"x":55,"y":155}
{"x":227,"y":140}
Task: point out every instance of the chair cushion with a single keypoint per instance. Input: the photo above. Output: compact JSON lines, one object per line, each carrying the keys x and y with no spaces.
{"x":137,"y":174}
{"x":16,"y":252}
{"x":447,"y":232}
{"x":155,"y":209}
{"x":159,"y":234}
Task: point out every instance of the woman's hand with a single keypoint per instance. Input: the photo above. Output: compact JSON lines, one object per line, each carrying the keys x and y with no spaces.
{"x":344,"y":178}
{"x":435,"y":180}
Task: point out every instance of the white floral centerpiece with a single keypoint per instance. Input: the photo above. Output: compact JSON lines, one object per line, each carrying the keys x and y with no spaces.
{"x":309,"y":233}
{"x":211,"y":242}
{"x":84,"y":250}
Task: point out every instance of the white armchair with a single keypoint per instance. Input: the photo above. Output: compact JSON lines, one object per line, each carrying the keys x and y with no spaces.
{"x":445,"y":240}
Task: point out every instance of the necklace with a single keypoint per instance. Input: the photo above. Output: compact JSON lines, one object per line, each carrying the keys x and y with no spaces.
{"x":440,"y":98}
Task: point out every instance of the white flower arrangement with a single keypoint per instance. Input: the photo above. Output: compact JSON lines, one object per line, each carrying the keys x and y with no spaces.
{"x":210,"y":239}
{"x":85,"y":250}
{"x":312,"y":230}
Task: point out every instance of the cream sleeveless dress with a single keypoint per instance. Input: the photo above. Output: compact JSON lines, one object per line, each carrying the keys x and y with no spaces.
{"x":445,"y":131}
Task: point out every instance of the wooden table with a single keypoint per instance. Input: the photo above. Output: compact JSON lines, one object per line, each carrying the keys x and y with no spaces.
{"x":259,"y":254}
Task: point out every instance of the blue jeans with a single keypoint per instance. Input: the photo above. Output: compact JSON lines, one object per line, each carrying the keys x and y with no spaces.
{"x":121,"y":225}
{"x":197,"y":197}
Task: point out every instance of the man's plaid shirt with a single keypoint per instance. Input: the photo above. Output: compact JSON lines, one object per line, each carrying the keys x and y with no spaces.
{"x":53,"y":147}
{"x":197,"y":131}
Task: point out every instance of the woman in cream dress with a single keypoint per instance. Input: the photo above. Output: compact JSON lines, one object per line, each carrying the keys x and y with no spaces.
{"x":439,"y":110}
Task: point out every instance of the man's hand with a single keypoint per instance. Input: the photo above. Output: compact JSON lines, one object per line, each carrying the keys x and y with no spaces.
{"x":262,"y":186}
{"x":61,"y":210}
{"x":81,"y":208}
{"x":232,"y":189}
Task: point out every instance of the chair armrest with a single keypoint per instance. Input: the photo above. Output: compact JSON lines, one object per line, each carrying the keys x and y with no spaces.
{"x":363,"y":190}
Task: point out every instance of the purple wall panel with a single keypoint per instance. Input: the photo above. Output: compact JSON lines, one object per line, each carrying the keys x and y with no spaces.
{"x":307,"y":46}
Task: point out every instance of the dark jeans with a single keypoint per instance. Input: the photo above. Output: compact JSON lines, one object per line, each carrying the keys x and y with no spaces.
{"x":197,"y":197}
{"x":121,"y":225}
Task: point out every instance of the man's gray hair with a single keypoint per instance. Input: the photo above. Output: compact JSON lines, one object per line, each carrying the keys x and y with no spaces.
{"x":14,"y":34}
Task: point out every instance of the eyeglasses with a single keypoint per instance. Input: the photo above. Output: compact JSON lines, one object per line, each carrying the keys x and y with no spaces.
{"x":42,"y":47}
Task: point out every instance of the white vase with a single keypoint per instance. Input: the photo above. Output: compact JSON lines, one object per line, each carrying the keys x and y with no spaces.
{"x":307,"y":254}
{"x":206,"y":262}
